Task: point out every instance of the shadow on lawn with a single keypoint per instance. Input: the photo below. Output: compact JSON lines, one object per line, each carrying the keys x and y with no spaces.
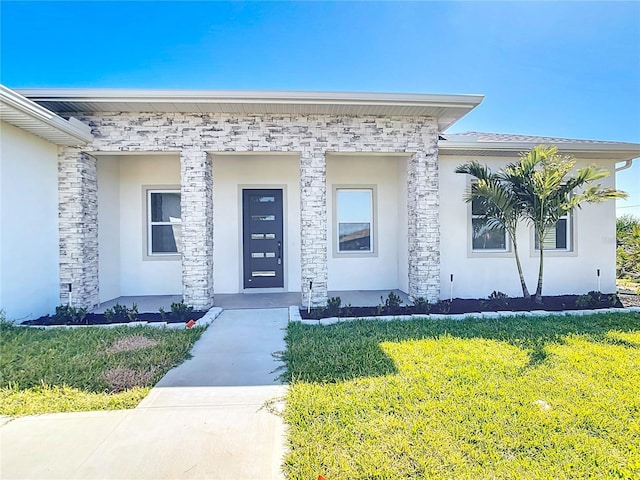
{"x":352,"y":350}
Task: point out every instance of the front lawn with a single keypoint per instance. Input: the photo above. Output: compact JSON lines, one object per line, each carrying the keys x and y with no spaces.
{"x":555,"y":397}
{"x":64,"y":370}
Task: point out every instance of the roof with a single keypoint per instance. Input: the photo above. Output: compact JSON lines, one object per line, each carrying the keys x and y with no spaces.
{"x":31,"y":117}
{"x":446,"y":108}
{"x":505,"y":144}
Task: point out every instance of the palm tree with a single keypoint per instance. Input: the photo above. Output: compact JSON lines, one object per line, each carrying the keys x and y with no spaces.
{"x":545,"y":191}
{"x":500,"y":206}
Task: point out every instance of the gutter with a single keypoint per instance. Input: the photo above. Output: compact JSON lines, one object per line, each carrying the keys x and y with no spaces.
{"x":251,"y":97}
{"x":627,"y":164}
{"x":15,"y":105}
{"x":619,"y":151}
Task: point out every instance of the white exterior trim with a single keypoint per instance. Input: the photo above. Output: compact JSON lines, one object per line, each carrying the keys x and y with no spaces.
{"x":446,"y":108}
{"x":618,"y":151}
{"x":33,"y":118}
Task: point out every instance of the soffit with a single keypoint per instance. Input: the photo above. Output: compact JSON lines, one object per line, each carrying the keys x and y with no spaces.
{"x":446,"y":108}
{"x":585,"y":149}
{"x":35,"y":119}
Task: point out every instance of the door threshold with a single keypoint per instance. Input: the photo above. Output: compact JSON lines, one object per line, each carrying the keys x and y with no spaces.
{"x":264,"y":290}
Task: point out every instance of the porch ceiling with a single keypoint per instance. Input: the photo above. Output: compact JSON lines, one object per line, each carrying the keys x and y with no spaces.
{"x":446,"y":108}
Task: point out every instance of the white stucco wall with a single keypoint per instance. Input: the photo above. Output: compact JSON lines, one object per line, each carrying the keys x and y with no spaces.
{"x":403,"y":225}
{"x":109,"y":227}
{"x":124,"y":267}
{"x":381,"y":271}
{"x":594,"y":244}
{"x":29,"y":268}
{"x":232,"y":173}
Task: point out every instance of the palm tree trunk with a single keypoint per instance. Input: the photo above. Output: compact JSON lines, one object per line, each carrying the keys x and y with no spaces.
{"x":525,"y":291}
{"x":540,"y":271}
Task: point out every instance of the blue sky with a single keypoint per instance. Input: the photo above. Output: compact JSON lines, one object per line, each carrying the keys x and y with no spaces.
{"x":569,"y":69}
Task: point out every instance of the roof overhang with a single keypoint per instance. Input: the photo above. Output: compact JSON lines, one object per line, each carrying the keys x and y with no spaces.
{"x":616,"y":151}
{"x":446,"y":108}
{"x":27,"y":115}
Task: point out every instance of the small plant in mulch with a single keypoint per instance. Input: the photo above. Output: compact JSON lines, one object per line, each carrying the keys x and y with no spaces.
{"x":333,"y":307}
{"x":180,"y":311}
{"x":390,"y":305}
{"x":69,"y":315}
{"x":595,"y":299}
{"x":444,"y":306}
{"x":121,"y":314}
{"x":496,"y":301}
{"x":420,"y":305}
{"x":131,"y":343}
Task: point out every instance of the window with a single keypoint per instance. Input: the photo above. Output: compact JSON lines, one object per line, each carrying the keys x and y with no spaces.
{"x":354,"y":218}
{"x":484,"y":238}
{"x":558,"y":237}
{"x":163,"y":219}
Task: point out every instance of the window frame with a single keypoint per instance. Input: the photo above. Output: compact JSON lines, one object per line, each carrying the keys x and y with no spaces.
{"x":148,"y":253}
{"x":373,"y":229}
{"x":572,"y":248}
{"x":483,"y":252}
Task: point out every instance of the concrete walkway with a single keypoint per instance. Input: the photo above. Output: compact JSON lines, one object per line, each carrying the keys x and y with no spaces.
{"x":211,"y":418}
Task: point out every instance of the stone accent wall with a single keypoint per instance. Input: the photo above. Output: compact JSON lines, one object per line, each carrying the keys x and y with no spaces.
{"x":313,"y":226}
{"x":310,"y":135}
{"x":159,"y":132}
{"x":78,"y":225}
{"x":197,"y":228}
{"x":424,"y":225}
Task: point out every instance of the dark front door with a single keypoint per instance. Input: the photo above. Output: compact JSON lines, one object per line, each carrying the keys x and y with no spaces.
{"x":262,"y":238}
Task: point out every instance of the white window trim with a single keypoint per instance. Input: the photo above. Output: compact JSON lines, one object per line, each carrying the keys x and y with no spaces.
{"x":147,"y":190}
{"x":483,"y":253}
{"x":572,"y":248}
{"x":374,"y":224}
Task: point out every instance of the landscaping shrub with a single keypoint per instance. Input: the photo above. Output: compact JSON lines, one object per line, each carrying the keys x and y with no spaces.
{"x":628,"y":250}
{"x":68,"y":314}
{"x":497,"y":301}
{"x":421,"y":304}
{"x":333,"y":306}
{"x":390,"y":305}
{"x":121,"y":313}
{"x":595,"y":299}
{"x":181,"y":311}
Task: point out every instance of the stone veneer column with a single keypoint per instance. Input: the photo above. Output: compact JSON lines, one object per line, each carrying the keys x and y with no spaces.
{"x":78,"y":227}
{"x":313,"y":226}
{"x":424,"y":225}
{"x":197,"y":228}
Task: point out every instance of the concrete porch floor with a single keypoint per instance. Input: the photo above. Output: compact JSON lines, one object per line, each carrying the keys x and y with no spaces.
{"x":145,"y":303}
{"x":235,"y":301}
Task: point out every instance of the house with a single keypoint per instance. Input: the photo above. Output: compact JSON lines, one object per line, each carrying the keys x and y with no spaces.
{"x":30,"y":139}
{"x":207,"y":192}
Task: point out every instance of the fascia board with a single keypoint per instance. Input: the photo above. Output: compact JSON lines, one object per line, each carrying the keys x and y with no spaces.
{"x":619,"y":151}
{"x":251,"y":97}
{"x":78,"y":133}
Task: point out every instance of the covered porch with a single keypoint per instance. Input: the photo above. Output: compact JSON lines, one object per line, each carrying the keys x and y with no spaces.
{"x":238,"y":301}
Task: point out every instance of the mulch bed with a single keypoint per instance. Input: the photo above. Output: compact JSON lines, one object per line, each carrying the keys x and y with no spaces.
{"x":100,"y":319}
{"x":466,"y":305}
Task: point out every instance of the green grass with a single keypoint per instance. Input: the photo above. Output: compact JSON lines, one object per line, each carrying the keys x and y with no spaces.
{"x":62,"y":370}
{"x":555,"y":397}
